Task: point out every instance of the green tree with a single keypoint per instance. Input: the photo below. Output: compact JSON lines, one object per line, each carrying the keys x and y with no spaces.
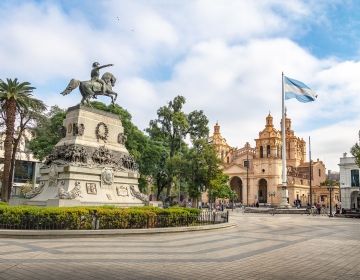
{"x":219,"y":188}
{"x":13,"y":96}
{"x":47,"y":132}
{"x":355,"y":151}
{"x":170,"y":128}
{"x":201,"y":166}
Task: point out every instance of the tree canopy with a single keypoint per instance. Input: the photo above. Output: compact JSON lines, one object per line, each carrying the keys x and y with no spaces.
{"x":355,"y":151}
{"x":47,"y":132}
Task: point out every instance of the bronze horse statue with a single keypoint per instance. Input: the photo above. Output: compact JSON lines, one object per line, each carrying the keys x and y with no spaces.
{"x":92,"y":89}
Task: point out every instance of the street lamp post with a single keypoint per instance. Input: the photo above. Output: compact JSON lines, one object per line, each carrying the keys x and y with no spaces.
{"x":272,"y":194}
{"x":330,"y":188}
{"x":247,"y":178}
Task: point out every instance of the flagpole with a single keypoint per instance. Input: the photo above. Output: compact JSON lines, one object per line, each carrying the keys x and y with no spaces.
{"x":310,"y":172}
{"x":284,"y":192}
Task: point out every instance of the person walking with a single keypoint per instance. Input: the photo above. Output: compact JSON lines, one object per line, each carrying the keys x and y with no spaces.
{"x":318,"y":207}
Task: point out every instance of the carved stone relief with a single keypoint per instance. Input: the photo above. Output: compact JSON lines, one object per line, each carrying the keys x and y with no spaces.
{"x":138,"y":195}
{"x":91,"y":188}
{"x":35,"y":191}
{"x":62,"y":183}
{"x":121,"y":138}
{"x":74,"y":193}
{"x":107,"y":176}
{"x":102,"y":155}
{"x":62,"y":131}
{"x":122,"y":191}
{"x":102,"y":131}
{"x":53,"y":175}
{"x":82,"y":155}
{"x":78,"y":129}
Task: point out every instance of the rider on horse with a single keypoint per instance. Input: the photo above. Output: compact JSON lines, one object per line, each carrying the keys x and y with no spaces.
{"x":95,"y":74}
{"x":96,"y":86}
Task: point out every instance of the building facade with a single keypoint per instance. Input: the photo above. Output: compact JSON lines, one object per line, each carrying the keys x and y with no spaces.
{"x":256,"y":172}
{"x":349,"y":183}
{"x":26,"y":166}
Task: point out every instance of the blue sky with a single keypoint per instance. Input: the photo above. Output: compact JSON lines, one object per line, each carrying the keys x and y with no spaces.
{"x":337,"y":35}
{"x":225,"y":57}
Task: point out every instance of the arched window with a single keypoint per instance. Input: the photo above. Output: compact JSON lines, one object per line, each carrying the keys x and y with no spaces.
{"x":355,"y":178}
{"x":236,"y":186}
{"x":268,"y":150}
{"x":261,"y":152}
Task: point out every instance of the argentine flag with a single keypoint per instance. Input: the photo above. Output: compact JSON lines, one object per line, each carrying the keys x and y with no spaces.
{"x":298,"y":90}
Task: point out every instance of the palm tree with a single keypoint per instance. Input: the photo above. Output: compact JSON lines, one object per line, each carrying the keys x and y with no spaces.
{"x":26,"y":119}
{"x":13,"y":96}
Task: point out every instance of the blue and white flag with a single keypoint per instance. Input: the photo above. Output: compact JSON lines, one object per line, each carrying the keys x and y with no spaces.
{"x":298,"y":90}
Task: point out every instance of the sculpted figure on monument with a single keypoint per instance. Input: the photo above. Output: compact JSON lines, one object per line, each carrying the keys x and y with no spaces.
{"x":121,"y":138}
{"x":78,"y":129}
{"x":94,"y":87}
{"x":71,"y":153}
{"x":102,"y":155}
{"x":74,"y":193}
{"x":62,"y":131}
{"x":138,"y":195}
{"x":35,"y":191}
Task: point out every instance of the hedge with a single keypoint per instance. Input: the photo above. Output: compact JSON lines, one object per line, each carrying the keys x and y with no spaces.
{"x":33,"y":217}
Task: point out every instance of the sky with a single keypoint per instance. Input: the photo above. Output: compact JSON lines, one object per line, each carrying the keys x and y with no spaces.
{"x":225,"y":57}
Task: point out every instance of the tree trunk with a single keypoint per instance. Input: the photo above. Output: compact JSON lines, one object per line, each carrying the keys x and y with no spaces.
{"x":13,"y":161}
{"x":10,"y":111}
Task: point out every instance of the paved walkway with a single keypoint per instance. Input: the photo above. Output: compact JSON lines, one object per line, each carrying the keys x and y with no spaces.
{"x":260,"y":247}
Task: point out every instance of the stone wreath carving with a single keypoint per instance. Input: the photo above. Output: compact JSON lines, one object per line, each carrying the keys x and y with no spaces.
{"x":102,"y":131}
{"x":74,"y":193}
{"x":35,"y":191}
{"x":107,"y":176}
{"x":138,"y":195}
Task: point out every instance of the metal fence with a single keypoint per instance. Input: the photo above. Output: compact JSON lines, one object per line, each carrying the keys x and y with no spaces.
{"x":93,"y":222}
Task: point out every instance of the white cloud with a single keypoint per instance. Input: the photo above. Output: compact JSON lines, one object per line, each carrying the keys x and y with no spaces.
{"x":225,"y":57}
{"x":330,"y":142}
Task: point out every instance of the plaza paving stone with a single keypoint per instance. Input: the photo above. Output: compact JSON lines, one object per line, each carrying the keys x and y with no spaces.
{"x":261,"y":246}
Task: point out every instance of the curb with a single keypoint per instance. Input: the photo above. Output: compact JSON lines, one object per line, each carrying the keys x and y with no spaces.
{"x":23,"y":234}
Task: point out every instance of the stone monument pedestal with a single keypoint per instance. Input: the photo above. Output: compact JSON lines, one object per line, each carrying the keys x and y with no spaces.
{"x":90,"y":165}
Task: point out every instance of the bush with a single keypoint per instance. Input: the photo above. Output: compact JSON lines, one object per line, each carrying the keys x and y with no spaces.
{"x":32,"y":217}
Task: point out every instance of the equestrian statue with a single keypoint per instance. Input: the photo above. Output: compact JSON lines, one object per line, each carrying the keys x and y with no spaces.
{"x":94,"y":87}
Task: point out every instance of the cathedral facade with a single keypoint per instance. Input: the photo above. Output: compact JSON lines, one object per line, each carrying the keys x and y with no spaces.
{"x":256,"y":172}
